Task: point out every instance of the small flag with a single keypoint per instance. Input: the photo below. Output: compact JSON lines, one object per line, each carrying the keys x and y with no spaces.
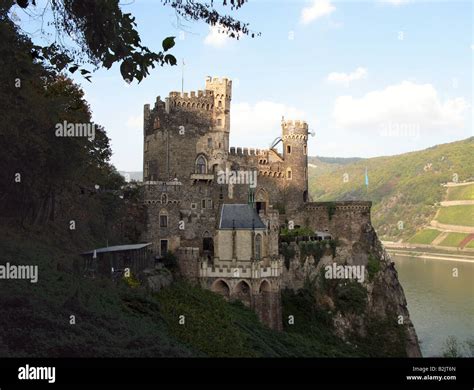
{"x":366,"y":178}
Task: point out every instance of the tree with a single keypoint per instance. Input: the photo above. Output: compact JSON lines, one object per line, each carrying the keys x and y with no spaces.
{"x":105,"y":35}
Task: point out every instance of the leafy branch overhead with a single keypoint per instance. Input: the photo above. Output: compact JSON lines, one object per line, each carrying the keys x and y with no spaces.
{"x":106,"y":36}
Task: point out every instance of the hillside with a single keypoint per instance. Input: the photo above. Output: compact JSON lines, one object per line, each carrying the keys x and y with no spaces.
{"x":129,"y":322}
{"x":405,"y":189}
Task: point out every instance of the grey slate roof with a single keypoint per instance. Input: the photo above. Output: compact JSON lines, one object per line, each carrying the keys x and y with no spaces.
{"x":240,"y":216}
{"x":118,"y":248}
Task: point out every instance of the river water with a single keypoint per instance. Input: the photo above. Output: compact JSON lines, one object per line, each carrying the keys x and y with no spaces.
{"x":440,"y":304}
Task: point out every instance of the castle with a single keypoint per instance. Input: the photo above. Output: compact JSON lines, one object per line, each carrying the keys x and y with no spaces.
{"x":220,"y":208}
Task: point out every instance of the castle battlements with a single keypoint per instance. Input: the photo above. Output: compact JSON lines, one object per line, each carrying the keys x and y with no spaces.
{"x":245,"y":151}
{"x":219,"y":80}
{"x":287,"y":123}
{"x":348,"y":205}
{"x":254,"y":271}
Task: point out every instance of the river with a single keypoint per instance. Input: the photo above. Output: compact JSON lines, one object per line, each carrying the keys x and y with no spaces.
{"x":440,"y":304}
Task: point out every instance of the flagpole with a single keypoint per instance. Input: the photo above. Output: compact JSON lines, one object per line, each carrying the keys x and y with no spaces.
{"x":182,"y":77}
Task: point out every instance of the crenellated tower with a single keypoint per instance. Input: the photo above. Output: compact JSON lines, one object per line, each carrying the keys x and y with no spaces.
{"x":222,"y":93}
{"x":295,"y":155}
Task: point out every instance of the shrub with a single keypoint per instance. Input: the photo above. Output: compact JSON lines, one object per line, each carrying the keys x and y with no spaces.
{"x":373,"y":266}
{"x":351,"y":297}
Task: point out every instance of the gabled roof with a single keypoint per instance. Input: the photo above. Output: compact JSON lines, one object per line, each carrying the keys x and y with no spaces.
{"x":240,"y":216}
{"x":118,"y":248}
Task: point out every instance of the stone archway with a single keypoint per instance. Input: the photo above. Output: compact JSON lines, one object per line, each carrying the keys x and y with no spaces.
{"x":265,"y":309}
{"x":221,"y":287}
{"x":242,"y":292}
{"x":261,"y":200}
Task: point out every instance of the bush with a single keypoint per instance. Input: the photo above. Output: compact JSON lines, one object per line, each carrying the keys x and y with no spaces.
{"x":351,"y":297}
{"x":373,"y":266}
{"x":170,"y":261}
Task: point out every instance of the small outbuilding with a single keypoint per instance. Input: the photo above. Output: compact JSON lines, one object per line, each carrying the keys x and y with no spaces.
{"x":113,"y":260}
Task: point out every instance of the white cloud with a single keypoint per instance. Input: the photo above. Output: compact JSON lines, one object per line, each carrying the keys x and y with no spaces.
{"x":259,"y":123}
{"x":135,"y":122}
{"x":218,"y":36}
{"x":395,"y":2}
{"x":346,"y":78}
{"x":405,"y":105}
{"x":316,"y":10}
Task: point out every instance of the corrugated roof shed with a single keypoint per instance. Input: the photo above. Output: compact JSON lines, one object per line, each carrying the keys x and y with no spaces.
{"x":118,"y":248}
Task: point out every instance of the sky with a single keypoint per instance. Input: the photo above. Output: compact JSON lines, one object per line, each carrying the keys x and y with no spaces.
{"x":371,"y":78}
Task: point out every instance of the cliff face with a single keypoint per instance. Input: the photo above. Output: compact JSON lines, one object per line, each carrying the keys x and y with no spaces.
{"x":370,"y":311}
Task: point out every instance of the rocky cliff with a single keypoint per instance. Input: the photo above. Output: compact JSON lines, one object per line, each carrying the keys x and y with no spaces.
{"x":370,"y":311}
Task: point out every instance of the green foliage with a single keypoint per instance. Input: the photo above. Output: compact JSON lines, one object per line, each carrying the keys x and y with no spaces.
{"x":110,"y":320}
{"x":331,"y":210}
{"x":400,"y":188}
{"x":131,"y":281}
{"x":102,"y":35}
{"x":425,"y":236}
{"x":453,"y":239}
{"x":169,"y":260}
{"x":453,"y":348}
{"x":457,"y":215}
{"x":385,"y":338}
{"x":465,"y":192}
{"x":351,"y":296}
{"x":373,"y":266}
{"x":288,"y":253}
{"x":296,"y":232}
{"x":215,"y":328}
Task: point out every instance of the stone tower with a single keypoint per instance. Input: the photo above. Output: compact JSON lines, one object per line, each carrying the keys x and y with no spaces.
{"x":295,"y":155}
{"x":222,"y":93}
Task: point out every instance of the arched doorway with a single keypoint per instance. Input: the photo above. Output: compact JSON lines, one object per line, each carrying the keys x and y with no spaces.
{"x":221,"y":287}
{"x":207,"y":245}
{"x":261,"y":200}
{"x":265,"y":304}
{"x":242,"y":292}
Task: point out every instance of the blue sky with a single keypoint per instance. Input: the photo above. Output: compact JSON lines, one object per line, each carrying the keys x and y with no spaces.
{"x":371,"y":78}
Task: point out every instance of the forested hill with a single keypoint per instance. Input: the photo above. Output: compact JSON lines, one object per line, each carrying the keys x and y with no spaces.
{"x":403,"y":188}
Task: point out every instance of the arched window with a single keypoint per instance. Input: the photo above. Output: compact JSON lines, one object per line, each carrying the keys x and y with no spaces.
{"x":258,"y":246}
{"x":163,"y":219}
{"x":201,"y":165}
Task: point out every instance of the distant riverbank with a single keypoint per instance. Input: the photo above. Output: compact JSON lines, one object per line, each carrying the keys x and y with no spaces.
{"x":427,"y":252}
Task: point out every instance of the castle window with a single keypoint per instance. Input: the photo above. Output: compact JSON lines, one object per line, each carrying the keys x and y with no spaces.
{"x":209,"y":142}
{"x":203,"y":203}
{"x":221,"y":194}
{"x":288,"y":149}
{"x":201,"y":165}
{"x":193,"y":206}
{"x":219,"y":104}
{"x":146,"y":145}
{"x":305,"y":173}
{"x":163,"y":221}
{"x":209,"y":203}
{"x":258,"y":247}
{"x":146,"y":169}
{"x":164,"y":198}
{"x":288,"y":173}
{"x":219,"y":122}
{"x":305,"y":149}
